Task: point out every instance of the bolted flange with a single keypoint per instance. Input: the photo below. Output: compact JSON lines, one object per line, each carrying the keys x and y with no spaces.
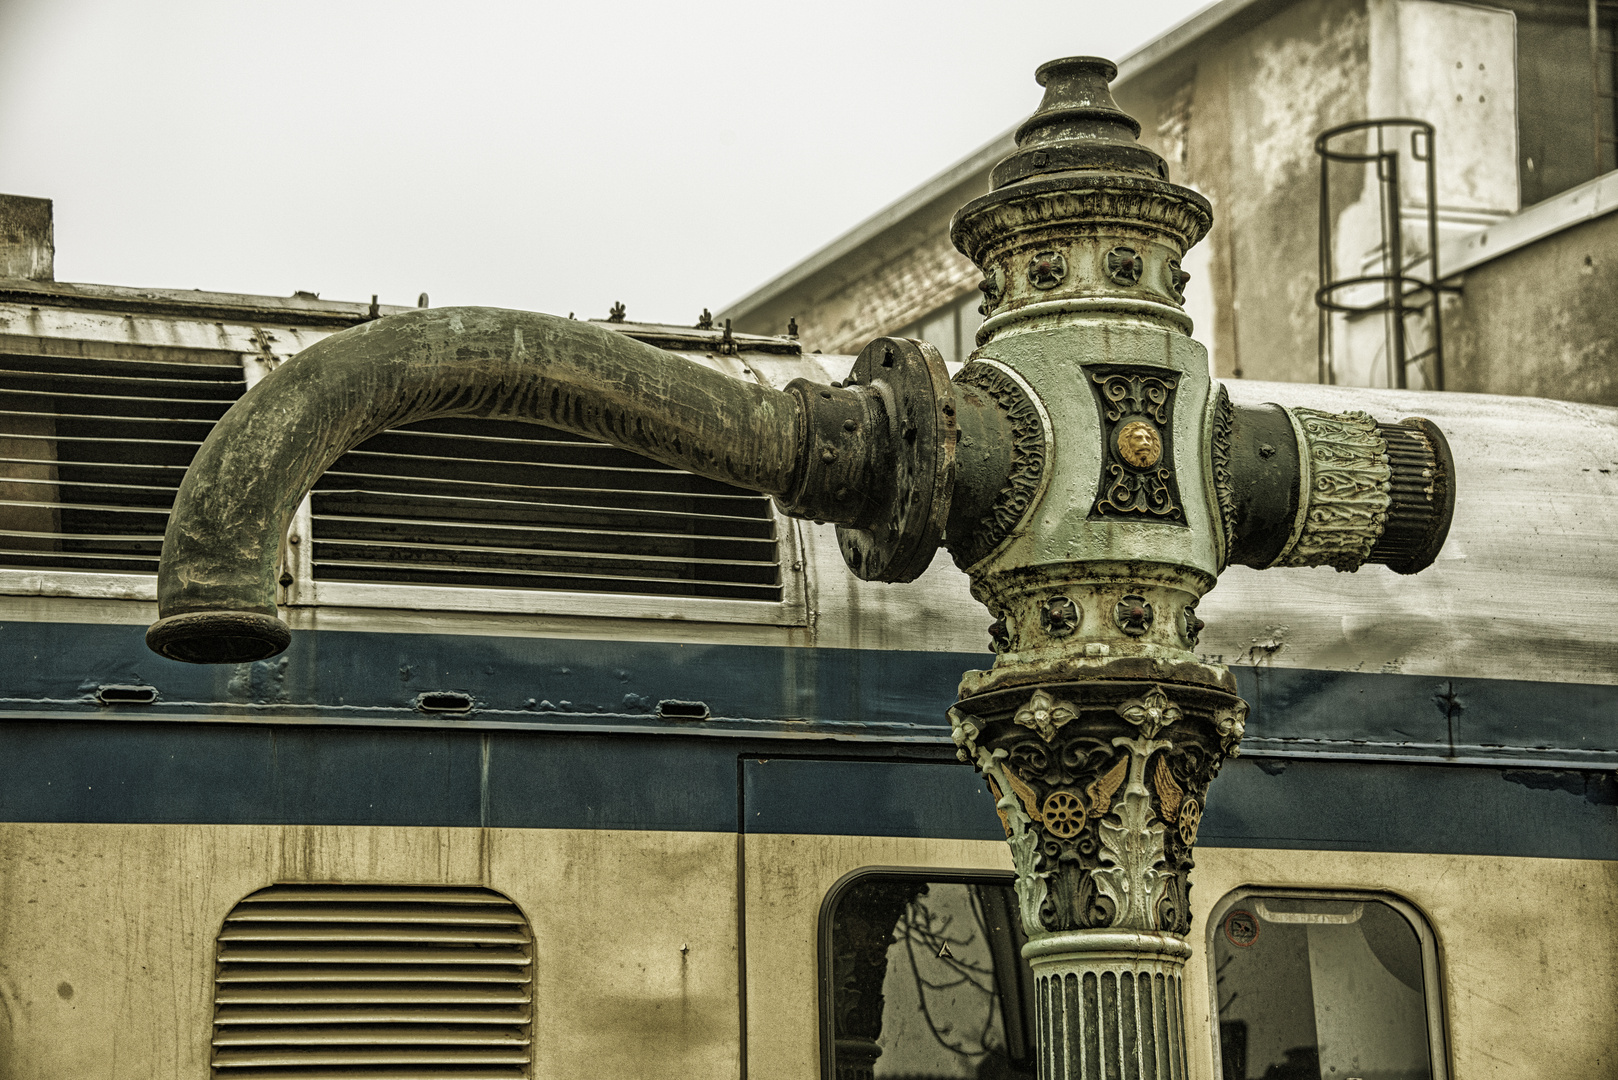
{"x":909,"y":383}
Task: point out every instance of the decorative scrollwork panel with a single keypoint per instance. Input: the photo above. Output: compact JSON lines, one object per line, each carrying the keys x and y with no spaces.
{"x":1137,"y":431}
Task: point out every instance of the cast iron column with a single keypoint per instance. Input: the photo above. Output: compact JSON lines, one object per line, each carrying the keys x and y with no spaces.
{"x":1134,"y":484}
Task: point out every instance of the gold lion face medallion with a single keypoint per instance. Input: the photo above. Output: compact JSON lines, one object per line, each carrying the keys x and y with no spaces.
{"x":1139,"y":444}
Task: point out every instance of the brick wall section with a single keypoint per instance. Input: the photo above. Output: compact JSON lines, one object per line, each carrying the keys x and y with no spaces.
{"x":902,"y":289}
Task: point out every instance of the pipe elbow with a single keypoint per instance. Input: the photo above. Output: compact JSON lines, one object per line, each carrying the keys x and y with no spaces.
{"x":217,"y":579}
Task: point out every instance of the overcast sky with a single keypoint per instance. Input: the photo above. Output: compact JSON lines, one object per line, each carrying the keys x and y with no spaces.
{"x":549,"y":156}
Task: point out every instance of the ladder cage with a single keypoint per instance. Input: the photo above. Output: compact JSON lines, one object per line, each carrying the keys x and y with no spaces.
{"x":1407,"y":286}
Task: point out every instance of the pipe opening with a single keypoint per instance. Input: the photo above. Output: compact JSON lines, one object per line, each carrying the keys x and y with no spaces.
{"x":444,"y":701}
{"x":218,"y":637}
{"x":126,"y":695}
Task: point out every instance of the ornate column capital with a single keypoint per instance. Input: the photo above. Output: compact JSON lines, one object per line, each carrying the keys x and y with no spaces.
{"x":1100,"y":787}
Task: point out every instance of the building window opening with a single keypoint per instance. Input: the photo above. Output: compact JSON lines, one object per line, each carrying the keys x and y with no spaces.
{"x":1326,"y":985}
{"x":923,"y":979}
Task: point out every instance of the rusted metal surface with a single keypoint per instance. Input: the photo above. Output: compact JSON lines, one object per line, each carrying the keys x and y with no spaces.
{"x":876,"y":456}
{"x":303,"y":310}
{"x":222,"y":547}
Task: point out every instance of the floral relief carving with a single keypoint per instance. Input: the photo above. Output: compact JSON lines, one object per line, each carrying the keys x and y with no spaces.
{"x":1045,"y":715}
{"x":1059,"y":616}
{"x":1031,"y":887}
{"x":1224,"y":486}
{"x":1139,"y":492}
{"x":1133,"y":874}
{"x":1129,"y":393}
{"x":1152,"y":712}
{"x":1349,"y":491}
{"x":1101,"y":804}
{"x":1011,"y":502}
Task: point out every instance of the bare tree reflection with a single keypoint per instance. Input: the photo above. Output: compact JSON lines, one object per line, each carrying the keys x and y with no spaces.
{"x":945,"y":957}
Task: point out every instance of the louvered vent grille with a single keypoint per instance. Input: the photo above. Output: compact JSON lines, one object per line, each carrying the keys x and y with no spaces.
{"x":92,"y":451}
{"x":497,"y":504}
{"x":373,"y":983}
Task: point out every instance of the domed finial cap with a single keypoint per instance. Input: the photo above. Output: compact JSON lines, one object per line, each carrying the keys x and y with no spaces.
{"x":1078,"y":126}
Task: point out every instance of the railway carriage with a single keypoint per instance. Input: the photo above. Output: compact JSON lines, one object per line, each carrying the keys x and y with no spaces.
{"x":578,"y":764}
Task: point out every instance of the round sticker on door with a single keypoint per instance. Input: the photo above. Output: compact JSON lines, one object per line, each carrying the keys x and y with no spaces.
{"x":1241,"y":928}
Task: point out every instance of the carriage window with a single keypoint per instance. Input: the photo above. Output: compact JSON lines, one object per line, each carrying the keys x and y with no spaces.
{"x":1326,"y":985}
{"x":923,"y":978}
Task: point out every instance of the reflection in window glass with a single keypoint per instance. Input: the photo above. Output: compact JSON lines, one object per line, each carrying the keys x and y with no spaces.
{"x":1323,"y":989}
{"x":927,"y":982}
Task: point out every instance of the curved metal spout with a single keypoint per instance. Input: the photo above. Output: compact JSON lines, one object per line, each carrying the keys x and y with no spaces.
{"x":217,"y":582}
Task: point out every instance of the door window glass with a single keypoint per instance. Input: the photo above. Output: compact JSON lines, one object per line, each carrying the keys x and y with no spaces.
{"x":1326,"y":987}
{"x":924,"y":979}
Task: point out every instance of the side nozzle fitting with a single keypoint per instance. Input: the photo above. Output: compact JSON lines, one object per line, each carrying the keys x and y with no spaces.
{"x":878,"y":457}
{"x":905,"y":460}
{"x":1300,"y":487}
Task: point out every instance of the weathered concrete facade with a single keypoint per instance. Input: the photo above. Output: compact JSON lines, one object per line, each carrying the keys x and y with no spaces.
{"x":1255,"y":103}
{"x":27,"y":238}
{"x":1542,"y":321}
{"x":1234,"y":100}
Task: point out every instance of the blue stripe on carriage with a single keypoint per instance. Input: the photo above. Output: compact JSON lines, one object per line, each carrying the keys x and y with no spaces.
{"x":272,"y":774}
{"x":262,"y":774}
{"x":350,"y":674}
{"x":50,"y":668}
{"x":75,"y":769}
{"x":1255,"y":803}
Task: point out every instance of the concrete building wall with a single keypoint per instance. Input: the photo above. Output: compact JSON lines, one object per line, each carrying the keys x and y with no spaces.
{"x":1541,"y":321}
{"x":1235,"y":116}
{"x":1250,"y":110}
{"x":1234,"y":102}
{"x":1256,"y":102}
{"x":27,"y":243}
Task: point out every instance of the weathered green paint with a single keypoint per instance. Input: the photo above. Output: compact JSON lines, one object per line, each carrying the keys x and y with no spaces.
{"x":1097,"y":728}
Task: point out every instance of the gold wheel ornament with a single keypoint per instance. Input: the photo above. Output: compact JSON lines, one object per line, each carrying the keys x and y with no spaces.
{"x":1190,"y":819}
{"x":1064,"y":814}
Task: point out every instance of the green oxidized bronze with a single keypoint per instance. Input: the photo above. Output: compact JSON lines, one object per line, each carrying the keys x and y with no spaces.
{"x":1097,"y":729}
